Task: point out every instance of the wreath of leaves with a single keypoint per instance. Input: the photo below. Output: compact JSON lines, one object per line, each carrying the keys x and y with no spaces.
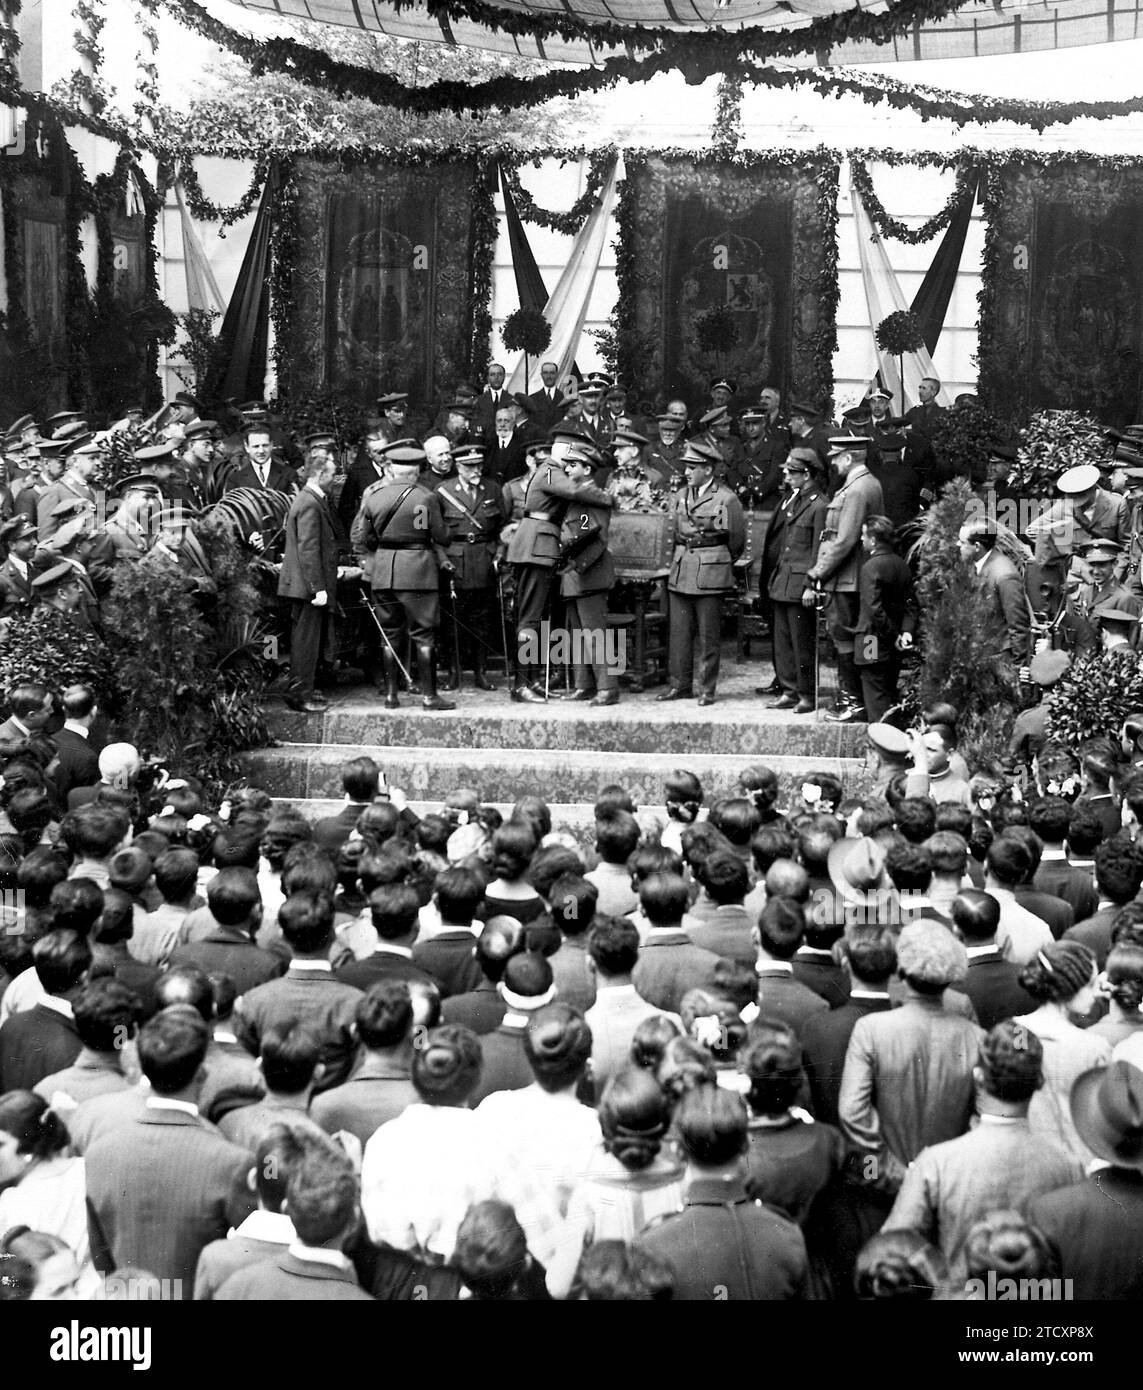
{"x":568,"y":223}
{"x":966,"y":179}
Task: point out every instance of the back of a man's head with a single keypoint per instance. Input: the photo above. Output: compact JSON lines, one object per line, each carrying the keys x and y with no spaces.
{"x":308,"y":868}
{"x":130,"y":869}
{"x":459,"y":893}
{"x":496,"y":944}
{"x":1033,"y":846}
{"x":288,"y":1058}
{"x":768,"y":843}
{"x":107,"y":1014}
{"x":948,"y":852}
{"x":491,"y":1249}
{"x":976,"y":915}
{"x":394,"y":910}
{"x":38,"y":874}
{"x":572,"y":902}
{"x":616,"y":836}
{"x":61,"y":960}
{"x":274,"y":1160}
{"x":1049,"y":817}
{"x":613,"y":946}
{"x":816,"y":837}
{"x":171,"y":1049}
{"x":236,"y":849}
{"x":1118,"y":869}
{"x":781,"y":928}
{"x":232,"y":896}
{"x":664,"y":899}
{"x":527,"y":976}
{"x":1008,"y":861}
{"x":306,"y":920}
{"x":176,"y":873}
{"x":186,"y":984}
{"x":723,"y":874}
{"x":93,"y":831}
{"x":384,"y":1015}
{"x":871,"y":953}
{"x":787,"y":879}
{"x":76,"y":904}
{"x":360,"y":779}
{"x":916,"y":818}
{"x":322,"y":1195}
{"x":909,"y":867}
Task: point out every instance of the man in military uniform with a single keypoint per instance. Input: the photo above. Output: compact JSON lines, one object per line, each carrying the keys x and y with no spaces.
{"x":806,"y":428}
{"x":81,"y":463}
{"x":474,"y":514}
{"x":587,"y":575}
{"x":17,"y":571}
{"x":902,"y":485}
{"x":709,"y":533}
{"x":48,"y":469}
{"x":1084,"y":512}
{"x":920,"y":422}
{"x":789,"y":550}
{"x":534,"y":551}
{"x":194,"y":478}
{"x":397,"y":536}
{"x":835,"y":571}
{"x":715,"y":425}
{"x":665,"y":455}
{"x":758,"y":480}
{"x":128,"y":534}
{"x":60,"y":588}
{"x":594,"y":419}
{"x":1102,"y":560}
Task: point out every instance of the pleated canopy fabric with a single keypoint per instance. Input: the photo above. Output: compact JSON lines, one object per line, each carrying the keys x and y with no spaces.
{"x":981,"y":29}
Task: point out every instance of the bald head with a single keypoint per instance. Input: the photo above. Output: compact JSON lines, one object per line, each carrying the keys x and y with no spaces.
{"x":785,"y":879}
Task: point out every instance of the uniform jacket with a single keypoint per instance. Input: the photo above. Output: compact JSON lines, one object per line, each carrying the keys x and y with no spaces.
{"x":724,"y":1241}
{"x":790,"y":545}
{"x":309,"y":565}
{"x":1066,"y":527}
{"x":709,"y":534}
{"x":62,"y":491}
{"x":474,"y":524}
{"x":600,"y":429}
{"x":405,"y":557}
{"x":667,"y":459}
{"x":999,"y":582}
{"x":114,"y":543}
{"x":15,"y":588}
{"x":158,"y":1191}
{"x":888,"y":608}
{"x":537,"y":537}
{"x":589,"y":569}
{"x":839,"y":554}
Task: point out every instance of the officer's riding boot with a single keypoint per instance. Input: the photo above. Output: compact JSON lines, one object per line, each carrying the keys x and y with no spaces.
{"x":414,"y":685}
{"x":450,"y":678}
{"x":392,"y":679}
{"x":426,"y":660}
{"x":479,"y":675}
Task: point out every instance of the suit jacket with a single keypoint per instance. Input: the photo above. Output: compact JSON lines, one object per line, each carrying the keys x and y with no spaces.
{"x":783,"y":997}
{"x":669,"y":966}
{"x":287,"y":1279}
{"x":575,"y":984}
{"x":481,"y":1009}
{"x":708,"y":534}
{"x":887,"y":608}
{"x":1059,"y":879}
{"x":839,"y":555}
{"x":304,"y":996}
{"x":993,"y":985}
{"x":278,"y":479}
{"x":723,"y":1240}
{"x":382,"y":965}
{"x":825,"y":1039}
{"x":77,"y":762}
{"x":1095,"y":1228}
{"x":487,"y":404}
{"x":222,"y":1258}
{"x":248,"y":1125}
{"x":817,"y":971}
{"x":1095,"y":932}
{"x":546,"y":410}
{"x":405,"y":556}
{"x":614,"y":1019}
{"x":377,"y":1092}
{"x":505,"y":1068}
{"x":309,"y":564}
{"x":474,"y":524}
{"x":999,"y":582}
{"x":449,"y":957}
{"x":1057,"y":913}
{"x":536,"y":540}
{"x":231,"y":953}
{"x":506,"y":460}
{"x":332,"y":831}
{"x":727,"y":933}
{"x":361,"y":476}
{"x":34,"y":1044}
{"x":158,"y":1192}
{"x":790,"y":544}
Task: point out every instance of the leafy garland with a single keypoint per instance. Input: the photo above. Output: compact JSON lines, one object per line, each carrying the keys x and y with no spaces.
{"x":889,"y":226}
{"x":699,"y":56}
{"x":485,"y":230}
{"x":726,"y":134}
{"x":201,"y":206}
{"x":146,"y":12}
{"x":10,"y":44}
{"x":285,"y":240}
{"x":87,"y":87}
{"x":568,"y":222}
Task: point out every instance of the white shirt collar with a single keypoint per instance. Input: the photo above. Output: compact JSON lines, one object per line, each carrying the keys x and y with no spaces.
{"x":61,"y":1006}
{"x":869,"y":994}
{"x":20,"y":566}
{"x":1056,"y":854}
{"x":315,"y":489}
{"x":76,"y":728}
{"x":166,"y":1103}
{"x":19,"y":723}
{"x":274,"y":1227}
{"x":975,"y":952}
{"x":320,"y":965}
{"x":316,"y":1255}
{"x":978,"y":565}
{"x":1003,"y":1119}
{"x":774,"y":967}
{"x":386,"y":948}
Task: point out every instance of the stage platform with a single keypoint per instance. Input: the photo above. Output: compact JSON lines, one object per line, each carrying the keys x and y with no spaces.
{"x":564,"y":752}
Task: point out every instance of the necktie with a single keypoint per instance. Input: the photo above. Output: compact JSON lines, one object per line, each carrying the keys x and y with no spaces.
{"x":263,"y":473}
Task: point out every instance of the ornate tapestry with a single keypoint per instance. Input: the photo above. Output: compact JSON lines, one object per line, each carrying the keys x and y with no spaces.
{"x":1062,"y":303}
{"x":752,"y":240}
{"x":40,"y":253}
{"x":381,"y":282}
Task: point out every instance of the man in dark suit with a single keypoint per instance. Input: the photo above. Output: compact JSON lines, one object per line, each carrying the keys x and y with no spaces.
{"x":257,"y":467}
{"x":726,"y":931}
{"x":789,"y":550}
{"x":473,"y":510}
{"x":236,"y":905}
{"x":506,"y":445}
{"x":307,"y":992}
{"x":920,"y":422}
{"x":709,"y":534}
{"x":999,"y":582}
{"x":362,"y":474}
{"x":587,"y":576}
{"x":323,"y":1200}
{"x":886,"y":617}
{"x":77,"y":755}
{"x":32,"y":706}
{"x":526,"y":987}
{"x":449,"y":955}
{"x":669,"y":962}
{"x":779,"y":933}
{"x":483,"y":1007}
{"x":546,"y":402}
{"x":492,"y":399}
{"x":159,"y":1185}
{"x":1049,"y":818}
{"x":871,"y":959}
{"x":43,"y":1039}
{"x":360,"y":781}
{"x":992,"y":983}
{"x":394,"y":909}
{"x":309,"y":577}
{"x":534,"y":550}
{"x":1118,"y":874}
{"x":381,"y":1087}
{"x":398,"y":536}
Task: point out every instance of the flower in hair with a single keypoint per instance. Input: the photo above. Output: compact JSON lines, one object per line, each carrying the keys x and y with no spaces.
{"x":811,"y":793}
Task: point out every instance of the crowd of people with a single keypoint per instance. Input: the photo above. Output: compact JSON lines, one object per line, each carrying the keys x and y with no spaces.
{"x":887,"y":1047}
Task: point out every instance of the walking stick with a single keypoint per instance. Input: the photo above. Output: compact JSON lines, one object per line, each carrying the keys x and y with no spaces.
{"x":455,"y":629}
{"x":385,"y":639}
{"x":509,"y":665}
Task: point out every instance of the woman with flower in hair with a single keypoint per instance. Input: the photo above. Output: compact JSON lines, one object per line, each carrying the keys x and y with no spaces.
{"x":759,"y":785}
{"x":632,"y":1178}
{"x":820,"y":794}
{"x":683,"y":794}
{"x":715,"y":1024}
{"x":900,"y":1264}
{"x":1063,"y":978}
{"x":1121,"y":984}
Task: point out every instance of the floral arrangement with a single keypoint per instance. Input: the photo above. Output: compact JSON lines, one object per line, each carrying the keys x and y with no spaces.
{"x":526,"y":331}
{"x":1095,"y":696}
{"x":716,"y":330}
{"x":1053,"y":441}
{"x":899,"y":333}
{"x":961,"y":440}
